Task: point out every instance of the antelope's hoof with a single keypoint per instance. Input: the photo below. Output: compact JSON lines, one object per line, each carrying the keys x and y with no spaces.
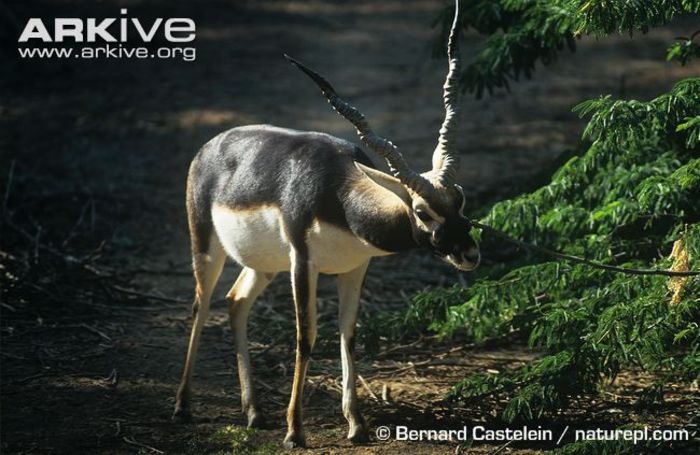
{"x":359,"y":435}
{"x":255,"y":419}
{"x":181,"y":414}
{"x":293,"y":441}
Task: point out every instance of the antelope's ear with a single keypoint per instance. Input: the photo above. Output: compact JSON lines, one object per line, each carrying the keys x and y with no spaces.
{"x":387,"y":181}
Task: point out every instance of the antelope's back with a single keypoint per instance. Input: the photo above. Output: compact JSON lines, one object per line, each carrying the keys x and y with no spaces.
{"x":256,"y":165}
{"x":260,"y":188}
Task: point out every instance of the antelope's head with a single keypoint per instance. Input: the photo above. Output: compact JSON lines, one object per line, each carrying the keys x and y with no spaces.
{"x":436,"y":202}
{"x":439,"y":223}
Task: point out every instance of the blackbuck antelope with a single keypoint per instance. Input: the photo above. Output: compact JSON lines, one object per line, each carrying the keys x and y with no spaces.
{"x":276,"y":199}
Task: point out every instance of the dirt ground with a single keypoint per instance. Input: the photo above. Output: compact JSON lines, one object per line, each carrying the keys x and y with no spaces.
{"x":94,"y":255}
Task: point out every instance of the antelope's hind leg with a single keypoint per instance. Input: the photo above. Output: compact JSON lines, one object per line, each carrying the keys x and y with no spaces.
{"x":207,"y":269}
{"x":249,"y":285}
{"x":349,"y":289}
{"x":304,"y":279}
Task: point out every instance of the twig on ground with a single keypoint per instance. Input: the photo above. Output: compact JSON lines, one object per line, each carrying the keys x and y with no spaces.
{"x":147,"y":271}
{"x":147,"y":295}
{"x":401,"y":347}
{"x":368,"y":389}
{"x":8,"y":188}
{"x":134,"y":442}
{"x":265,"y":384}
{"x":96,"y":332}
{"x":8,"y":307}
{"x":386,"y":393}
{"x":78,"y":222}
{"x":503,"y":447}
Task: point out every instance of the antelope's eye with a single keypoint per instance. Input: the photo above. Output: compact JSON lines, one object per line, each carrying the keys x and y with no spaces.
{"x":423,"y":216}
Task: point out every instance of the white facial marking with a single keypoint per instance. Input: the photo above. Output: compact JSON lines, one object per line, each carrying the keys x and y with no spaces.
{"x":431,"y":224}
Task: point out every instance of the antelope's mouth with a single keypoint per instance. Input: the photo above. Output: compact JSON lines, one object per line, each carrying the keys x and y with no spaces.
{"x":463,"y":262}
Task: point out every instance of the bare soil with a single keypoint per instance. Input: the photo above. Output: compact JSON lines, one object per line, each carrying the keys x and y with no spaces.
{"x":94,"y":255}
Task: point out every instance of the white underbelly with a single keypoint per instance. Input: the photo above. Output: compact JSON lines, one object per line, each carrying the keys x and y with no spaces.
{"x":256,"y":238}
{"x":253,"y":238}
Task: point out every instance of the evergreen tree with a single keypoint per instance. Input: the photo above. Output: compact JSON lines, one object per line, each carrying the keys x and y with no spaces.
{"x":524,"y":32}
{"x":631,"y":198}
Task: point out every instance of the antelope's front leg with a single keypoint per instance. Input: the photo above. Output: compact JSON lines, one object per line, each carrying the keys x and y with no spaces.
{"x":349,"y":289}
{"x":304,"y":278}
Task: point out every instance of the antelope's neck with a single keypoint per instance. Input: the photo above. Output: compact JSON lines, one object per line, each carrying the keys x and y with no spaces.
{"x":378,"y":216}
